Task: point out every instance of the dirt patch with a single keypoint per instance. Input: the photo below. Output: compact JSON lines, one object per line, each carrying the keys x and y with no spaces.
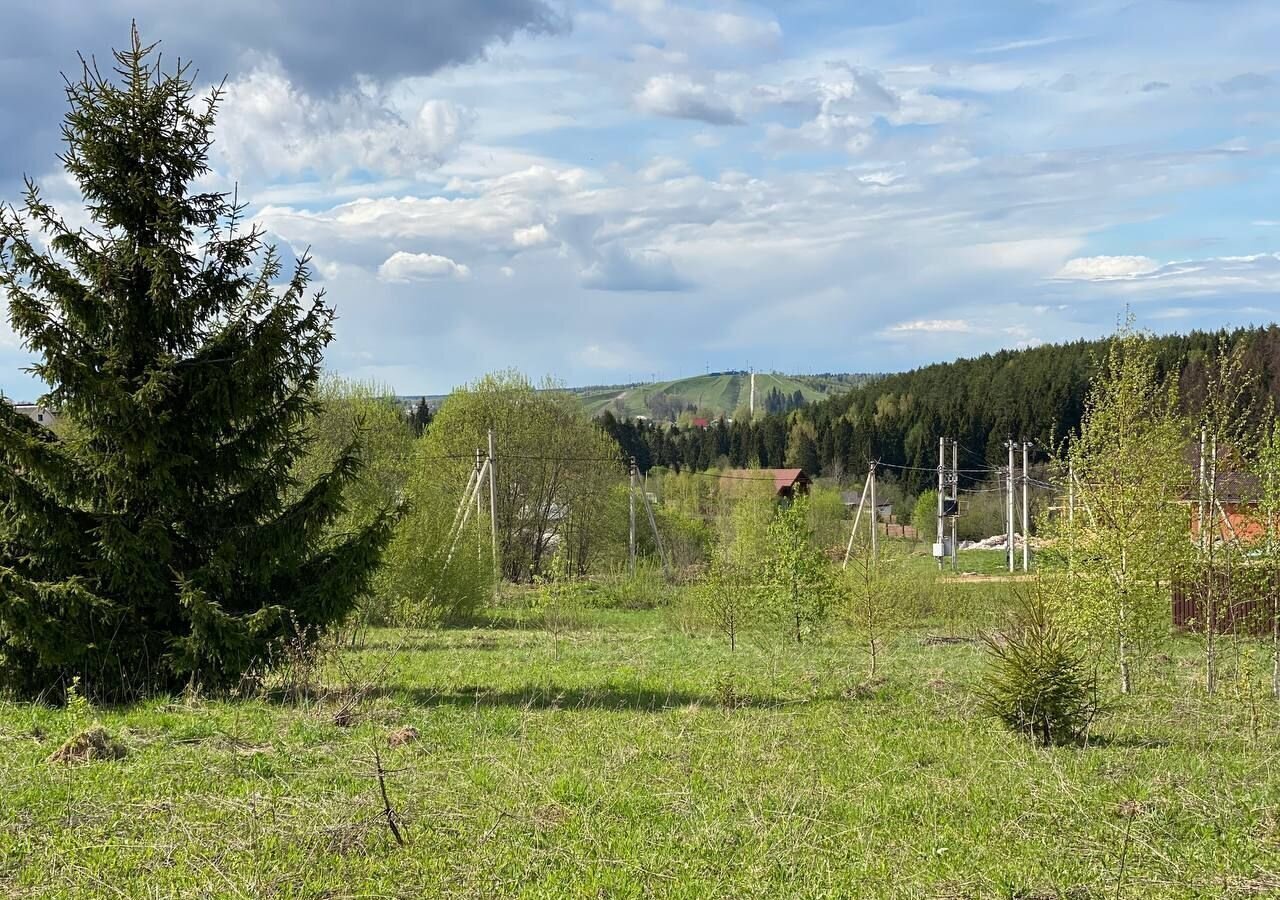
{"x":403,"y":736}
{"x":92,"y":744}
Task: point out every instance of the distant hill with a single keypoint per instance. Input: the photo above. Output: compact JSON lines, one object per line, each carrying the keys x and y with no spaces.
{"x":713,"y":395}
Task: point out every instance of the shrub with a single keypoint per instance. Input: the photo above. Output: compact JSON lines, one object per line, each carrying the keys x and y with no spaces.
{"x":1038,"y":683}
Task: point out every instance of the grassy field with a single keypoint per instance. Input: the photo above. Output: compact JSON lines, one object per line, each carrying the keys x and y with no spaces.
{"x":647,"y":760}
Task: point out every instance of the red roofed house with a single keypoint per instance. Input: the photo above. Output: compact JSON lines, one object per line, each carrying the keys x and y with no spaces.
{"x":786,"y":482}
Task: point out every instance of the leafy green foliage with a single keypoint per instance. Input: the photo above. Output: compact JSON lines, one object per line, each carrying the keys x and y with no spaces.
{"x":799,"y":585}
{"x":924,"y":517}
{"x":558,"y":480}
{"x":1038,"y":683}
{"x":343,"y":409}
{"x":1128,"y":538}
{"x":557,"y":600}
{"x":160,"y":540}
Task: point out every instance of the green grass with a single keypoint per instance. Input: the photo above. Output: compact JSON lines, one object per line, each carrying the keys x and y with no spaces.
{"x":648,"y":760}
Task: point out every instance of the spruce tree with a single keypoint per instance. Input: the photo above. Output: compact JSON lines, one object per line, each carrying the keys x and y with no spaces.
{"x":160,"y":539}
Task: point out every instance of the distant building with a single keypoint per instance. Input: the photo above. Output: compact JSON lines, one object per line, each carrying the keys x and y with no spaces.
{"x":786,"y":482}
{"x":37,"y":413}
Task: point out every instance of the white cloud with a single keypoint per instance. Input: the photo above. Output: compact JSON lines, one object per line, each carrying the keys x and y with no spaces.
{"x":686,"y":25}
{"x":401,"y":267}
{"x":621,"y":269}
{"x":269,"y":127}
{"x":607,"y":357}
{"x":1104,"y":268}
{"x":933,"y":326}
{"x":533,"y":236}
{"x":1221,"y":276}
{"x":679,"y":97}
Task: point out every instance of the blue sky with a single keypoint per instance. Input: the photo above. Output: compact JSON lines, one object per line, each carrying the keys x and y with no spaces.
{"x":606,"y":191}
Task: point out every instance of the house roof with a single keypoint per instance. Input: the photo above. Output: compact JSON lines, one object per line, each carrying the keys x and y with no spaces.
{"x":782,"y":478}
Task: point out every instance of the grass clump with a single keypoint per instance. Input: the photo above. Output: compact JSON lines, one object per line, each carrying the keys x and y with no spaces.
{"x":1038,"y":682}
{"x":94,"y":743}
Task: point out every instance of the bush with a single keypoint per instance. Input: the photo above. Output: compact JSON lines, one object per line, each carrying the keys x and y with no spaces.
{"x":1039,"y":684}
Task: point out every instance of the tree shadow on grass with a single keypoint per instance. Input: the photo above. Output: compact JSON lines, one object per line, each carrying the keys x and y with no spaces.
{"x":605,"y":697}
{"x":479,"y":641}
{"x":1126,"y":742}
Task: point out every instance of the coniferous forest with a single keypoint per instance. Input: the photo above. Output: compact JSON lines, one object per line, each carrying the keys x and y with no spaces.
{"x":1036,"y":394}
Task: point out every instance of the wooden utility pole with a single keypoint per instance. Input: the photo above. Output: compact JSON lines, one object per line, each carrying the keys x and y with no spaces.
{"x":853,"y":533}
{"x":631,"y":510}
{"x":1026,"y":510}
{"x":493,"y":512}
{"x":955,"y":500}
{"x":1009,"y":506}
{"x":941,"y":540}
{"x":875,"y":524}
{"x":657,"y":536}
{"x":479,"y":486}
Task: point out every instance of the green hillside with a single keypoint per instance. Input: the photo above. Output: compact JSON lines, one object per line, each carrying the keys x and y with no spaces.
{"x":713,"y":395}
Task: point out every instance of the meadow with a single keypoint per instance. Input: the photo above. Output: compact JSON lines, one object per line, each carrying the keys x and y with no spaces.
{"x":643,"y":758}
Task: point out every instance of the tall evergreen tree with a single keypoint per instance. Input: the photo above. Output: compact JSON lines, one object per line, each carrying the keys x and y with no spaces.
{"x":162,"y":539}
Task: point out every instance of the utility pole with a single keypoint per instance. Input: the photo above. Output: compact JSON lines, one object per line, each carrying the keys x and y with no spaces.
{"x":1009,"y":506}
{"x":753,"y":393}
{"x":875,"y":522}
{"x":955,"y":501}
{"x":479,"y":534}
{"x":1026,"y":513}
{"x":631,"y":509}
{"x":493,"y":513}
{"x":940,"y":543}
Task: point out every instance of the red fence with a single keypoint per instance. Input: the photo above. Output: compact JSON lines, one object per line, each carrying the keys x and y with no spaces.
{"x":1240,"y":606}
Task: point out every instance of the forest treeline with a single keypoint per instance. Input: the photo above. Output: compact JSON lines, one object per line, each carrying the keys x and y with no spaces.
{"x":1036,"y":394}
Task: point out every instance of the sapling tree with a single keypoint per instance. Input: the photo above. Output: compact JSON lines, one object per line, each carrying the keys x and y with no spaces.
{"x":799,"y":583}
{"x":557,"y":600}
{"x":873,"y":592}
{"x":159,"y":541}
{"x":731,"y":593}
{"x":1267,"y":469}
{"x":1230,"y":423}
{"x":1128,"y":538}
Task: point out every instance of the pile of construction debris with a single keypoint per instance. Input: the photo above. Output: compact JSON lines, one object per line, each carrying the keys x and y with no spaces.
{"x":998,"y":542}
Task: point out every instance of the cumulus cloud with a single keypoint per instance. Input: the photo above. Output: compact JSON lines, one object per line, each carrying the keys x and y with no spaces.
{"x":1104,"y":268}
{"x":401,"y":267}
{"x":679,"y":97}
{"x":270,"y":127}
{"x":321,"y":47}
{"x":533,"y":236}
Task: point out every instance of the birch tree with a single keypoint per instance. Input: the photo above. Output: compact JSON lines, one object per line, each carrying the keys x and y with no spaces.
{"x":1128,"y":538}
{"x":1267,"y":468}
{"x":1229,"y":436}
{"x":798,"y":579}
